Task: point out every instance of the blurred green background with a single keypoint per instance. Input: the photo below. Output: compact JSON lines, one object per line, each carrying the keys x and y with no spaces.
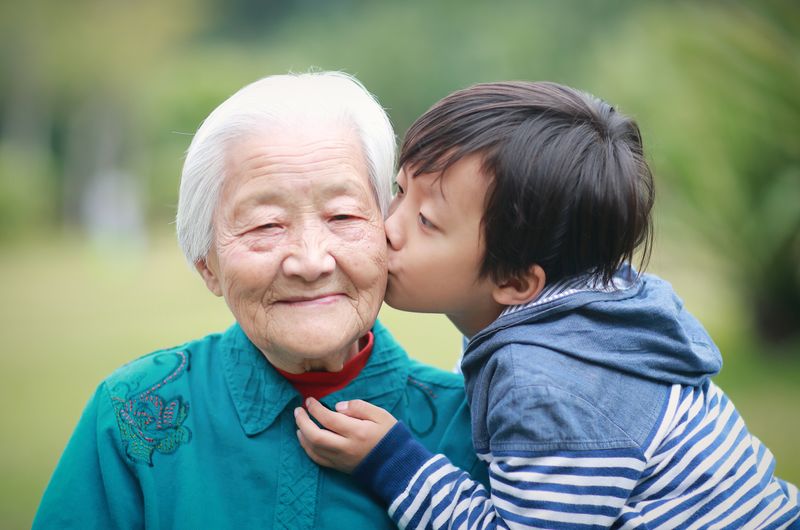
{"x":98,"y":101}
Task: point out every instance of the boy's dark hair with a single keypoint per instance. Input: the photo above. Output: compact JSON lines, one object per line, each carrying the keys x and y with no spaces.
{"x":570,"y":189}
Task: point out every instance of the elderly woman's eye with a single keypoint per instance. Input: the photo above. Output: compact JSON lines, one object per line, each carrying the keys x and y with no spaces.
{"x":342,"y":217}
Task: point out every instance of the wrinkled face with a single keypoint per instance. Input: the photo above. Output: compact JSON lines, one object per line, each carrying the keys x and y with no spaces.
{"x":299,"y":250}
{"x":436,"y":246}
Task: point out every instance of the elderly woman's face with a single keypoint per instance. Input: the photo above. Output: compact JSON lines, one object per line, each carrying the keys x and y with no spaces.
{"x":299,"y":251}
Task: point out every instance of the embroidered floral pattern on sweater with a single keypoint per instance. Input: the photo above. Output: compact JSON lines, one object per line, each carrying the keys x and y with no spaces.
{"x":149,"y":422}
{"x":429,"y":395}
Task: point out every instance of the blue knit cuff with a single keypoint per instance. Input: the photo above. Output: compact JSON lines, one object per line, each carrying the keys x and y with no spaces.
{"x":391,"y":464}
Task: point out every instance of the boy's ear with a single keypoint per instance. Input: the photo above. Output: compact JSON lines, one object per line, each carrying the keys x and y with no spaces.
{"x":206,"y":267}
{"x":520,"y":289}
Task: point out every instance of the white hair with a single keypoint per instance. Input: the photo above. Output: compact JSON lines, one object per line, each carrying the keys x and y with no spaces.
{"x":280,"y":101}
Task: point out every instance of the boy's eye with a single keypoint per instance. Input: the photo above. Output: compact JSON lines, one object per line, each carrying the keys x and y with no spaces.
{"x":397,"y":189}
{"x":424,"y":221}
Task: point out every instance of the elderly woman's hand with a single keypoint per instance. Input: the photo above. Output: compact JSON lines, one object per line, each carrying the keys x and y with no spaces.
{"x":351,"y":432}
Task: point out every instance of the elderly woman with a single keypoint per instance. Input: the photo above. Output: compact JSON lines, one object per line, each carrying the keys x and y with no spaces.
{"x":280,"y":211}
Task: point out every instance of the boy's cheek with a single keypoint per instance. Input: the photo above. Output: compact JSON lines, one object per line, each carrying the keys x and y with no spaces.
{"x":406,"y":295}
{"x":391,"y":292}
{"x":396,"y":296}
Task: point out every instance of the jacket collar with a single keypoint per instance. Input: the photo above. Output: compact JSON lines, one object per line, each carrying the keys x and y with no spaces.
{"x":260,"y":394}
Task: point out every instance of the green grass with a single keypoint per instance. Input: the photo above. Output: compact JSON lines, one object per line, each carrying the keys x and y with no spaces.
{"x":71,"y":313}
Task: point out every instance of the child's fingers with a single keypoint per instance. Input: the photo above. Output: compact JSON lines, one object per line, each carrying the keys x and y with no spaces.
{"x":333,"y":421}
{"x":362,"y":410}
{"x":311,"y":451}
{"x":320,"y":439}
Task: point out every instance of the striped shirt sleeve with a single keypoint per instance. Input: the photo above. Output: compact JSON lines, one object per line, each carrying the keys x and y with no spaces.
{"x":705,"y":470}
{"x":700,"y":468}
{"x":572,"y":489}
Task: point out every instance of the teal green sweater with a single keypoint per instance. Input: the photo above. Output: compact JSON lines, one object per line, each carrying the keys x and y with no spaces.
{"x":203,"y":436}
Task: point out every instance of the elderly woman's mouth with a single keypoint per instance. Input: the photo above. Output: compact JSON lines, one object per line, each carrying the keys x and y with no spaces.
{"x":320,"y":299}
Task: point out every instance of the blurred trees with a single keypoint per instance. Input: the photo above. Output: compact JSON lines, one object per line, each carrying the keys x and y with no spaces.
{"x":98,"y":99}
{"x":717,"y":87}
{"x":70,"y":99}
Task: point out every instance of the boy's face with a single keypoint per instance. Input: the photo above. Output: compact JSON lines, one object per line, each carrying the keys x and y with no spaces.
{"x":436,"y":246}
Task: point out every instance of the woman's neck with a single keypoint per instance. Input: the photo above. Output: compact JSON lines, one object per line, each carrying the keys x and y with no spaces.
{"x":329,"y":363}
{"x":319,"y":384}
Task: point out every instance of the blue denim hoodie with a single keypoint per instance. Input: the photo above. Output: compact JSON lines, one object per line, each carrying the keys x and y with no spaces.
{"x":613,"y":353}
{"x":593,"y":409}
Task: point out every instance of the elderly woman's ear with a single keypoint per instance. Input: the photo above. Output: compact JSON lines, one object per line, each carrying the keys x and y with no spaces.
{"x":207,"y":268}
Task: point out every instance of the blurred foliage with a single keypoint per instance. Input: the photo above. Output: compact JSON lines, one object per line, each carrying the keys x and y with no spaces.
{"x":27,"y":197}
{"x":722,"y":106}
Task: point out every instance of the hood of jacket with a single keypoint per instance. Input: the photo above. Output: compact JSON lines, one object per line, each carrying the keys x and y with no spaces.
{"x":643,"y":330}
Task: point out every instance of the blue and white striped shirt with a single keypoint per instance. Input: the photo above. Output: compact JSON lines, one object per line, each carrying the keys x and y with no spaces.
{"x":701,"y":470}
{"x":697,"y":467}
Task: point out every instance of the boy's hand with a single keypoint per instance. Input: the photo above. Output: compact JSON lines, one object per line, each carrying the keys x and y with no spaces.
{"x":351,"y":432}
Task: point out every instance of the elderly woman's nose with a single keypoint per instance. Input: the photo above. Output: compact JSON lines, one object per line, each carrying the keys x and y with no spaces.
{"x":309,"y":260}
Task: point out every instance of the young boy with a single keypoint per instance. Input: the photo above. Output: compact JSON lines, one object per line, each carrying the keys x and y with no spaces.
{"x":518,"y":208}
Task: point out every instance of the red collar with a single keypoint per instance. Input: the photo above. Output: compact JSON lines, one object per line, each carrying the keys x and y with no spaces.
{"x":320,"y":384}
